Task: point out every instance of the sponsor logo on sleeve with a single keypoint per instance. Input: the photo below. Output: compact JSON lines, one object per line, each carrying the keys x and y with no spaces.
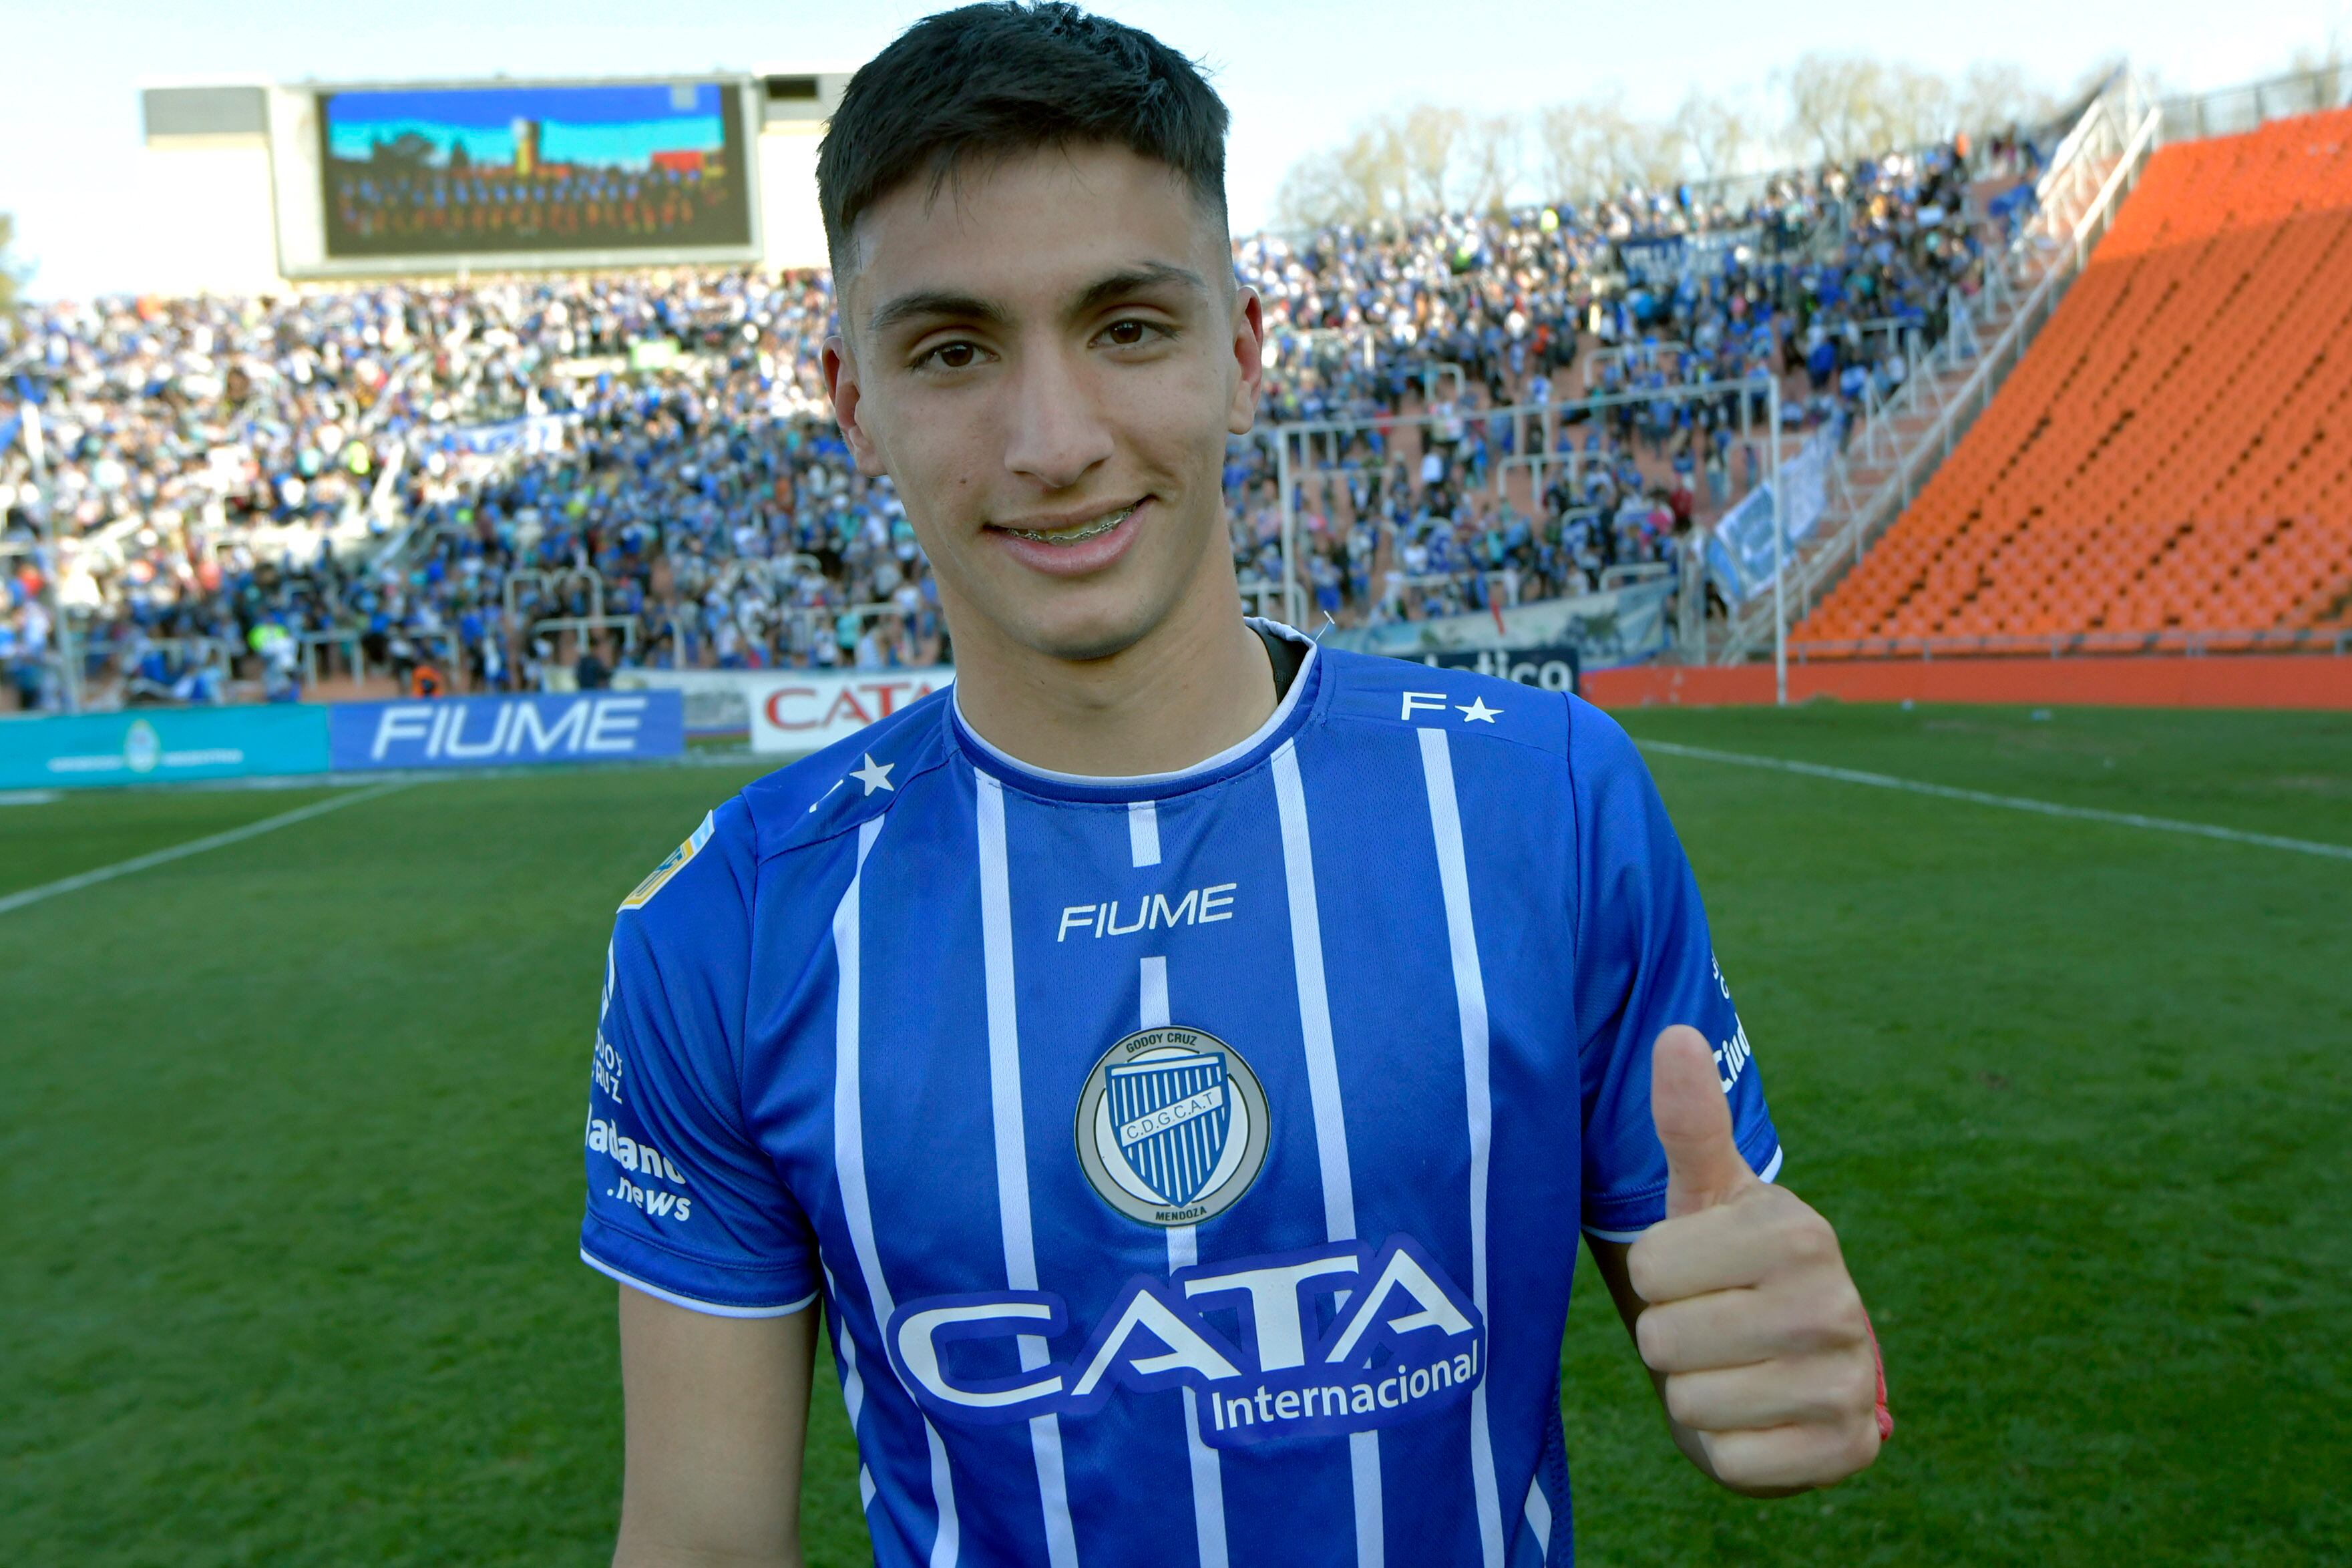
{"x":669,"y":867}
{"x":641,"y":1174}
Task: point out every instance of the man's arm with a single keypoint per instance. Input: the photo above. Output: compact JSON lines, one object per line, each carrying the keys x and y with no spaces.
{"x":1741,"y":1304}
{"x":717,"y":1412}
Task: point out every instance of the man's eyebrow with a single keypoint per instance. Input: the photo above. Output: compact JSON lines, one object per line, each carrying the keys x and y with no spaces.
{"x":1132,"y":280}
{"x":935,"y":302}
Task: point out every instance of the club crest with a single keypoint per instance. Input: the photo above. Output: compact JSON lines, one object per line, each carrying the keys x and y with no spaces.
{"x":1172,"y":1126}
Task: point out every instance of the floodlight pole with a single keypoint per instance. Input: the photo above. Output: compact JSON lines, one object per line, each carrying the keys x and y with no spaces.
{"x":1780,"y":575}
{"x":1294,"y":608}
{"x":60,"y":632}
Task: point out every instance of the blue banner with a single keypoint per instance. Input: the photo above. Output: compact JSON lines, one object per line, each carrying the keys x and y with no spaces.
{"x":500,"y":732}
{"x":157,"y":745}
{"x":1740,"y":554}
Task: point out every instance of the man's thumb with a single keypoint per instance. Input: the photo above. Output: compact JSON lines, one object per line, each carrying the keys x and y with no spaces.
{"x":1703,"y":1166}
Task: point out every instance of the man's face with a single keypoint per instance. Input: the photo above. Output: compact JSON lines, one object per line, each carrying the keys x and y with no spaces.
{"x":1047,"y":359}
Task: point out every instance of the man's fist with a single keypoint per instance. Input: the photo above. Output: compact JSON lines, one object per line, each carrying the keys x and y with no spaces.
{"x":1751,"y":1320}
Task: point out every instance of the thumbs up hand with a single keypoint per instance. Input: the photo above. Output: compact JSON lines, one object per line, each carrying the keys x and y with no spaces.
{"x":1750,"y":1325}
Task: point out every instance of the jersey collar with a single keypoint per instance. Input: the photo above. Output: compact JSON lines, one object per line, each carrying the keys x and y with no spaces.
{"x":1237,"y":758}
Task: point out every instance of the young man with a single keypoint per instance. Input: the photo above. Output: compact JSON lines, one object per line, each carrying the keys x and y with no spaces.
{"x":1181,"y":1061}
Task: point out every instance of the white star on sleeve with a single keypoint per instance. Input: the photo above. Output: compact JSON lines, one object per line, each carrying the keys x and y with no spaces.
{"x":1478,"y":712}
{"x":874,"y":775}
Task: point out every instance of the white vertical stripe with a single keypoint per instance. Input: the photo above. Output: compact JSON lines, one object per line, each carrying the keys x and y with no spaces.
{"x":849,"y":1165}
{"x":1143,"y":834}
{"x":1470,"y":1002}
{"x":1364,"y":1477}
{"x":1540,"y":1518}
{"x":1183,"y":1251}
{"x":1012,"y":1151}
{"x":1314,"y":1001}
{"x":1155,"y":994}
{"x":1323,"y":1092}
{"x":853,"y":1385}
{"x":945,"y":1544}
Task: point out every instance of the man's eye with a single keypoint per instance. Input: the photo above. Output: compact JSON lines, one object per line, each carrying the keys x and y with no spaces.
{"x":951,"y":356}
{"x":1129,"y":333}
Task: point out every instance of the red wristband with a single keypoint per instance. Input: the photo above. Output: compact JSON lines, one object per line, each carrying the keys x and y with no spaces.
{"x":1885,"y":1417}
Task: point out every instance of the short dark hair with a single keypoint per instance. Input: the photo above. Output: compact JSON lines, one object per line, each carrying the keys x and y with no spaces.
{"x":1007,"y":78}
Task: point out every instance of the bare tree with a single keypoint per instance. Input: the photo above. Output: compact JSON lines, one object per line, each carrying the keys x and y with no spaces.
{"x":1362,"y":180}
{"x":1569,"y":161}
{"x":1838,"y":105}
{"x":1432,"y":138}
{"x":1994,"y":95}
{"x":1493,"y":155}
{"x":1715,"y":133}
{"x":2326,"y":67}
{"x":11,"y":274}
{"x":1597,"y":146}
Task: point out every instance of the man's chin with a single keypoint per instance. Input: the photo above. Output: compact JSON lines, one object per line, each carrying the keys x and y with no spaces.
{"x":1083,"y":627}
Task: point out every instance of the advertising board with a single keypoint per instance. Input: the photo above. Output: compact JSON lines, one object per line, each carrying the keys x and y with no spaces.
{"x":1554,"y":669}
{"x":158,"y":745}
{"x":503,"y":732}
{"x":1621,"y":625}
{"x":802,"y":711}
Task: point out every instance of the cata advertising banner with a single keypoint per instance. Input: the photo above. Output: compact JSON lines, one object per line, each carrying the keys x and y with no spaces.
{"x":806,"y":709}
{"x":502,"y":732}
{"x":159,"y":745}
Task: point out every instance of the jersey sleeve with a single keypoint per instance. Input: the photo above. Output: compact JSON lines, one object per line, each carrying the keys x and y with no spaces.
{"x":682,"y":1203}
{"x":1646,"y":962}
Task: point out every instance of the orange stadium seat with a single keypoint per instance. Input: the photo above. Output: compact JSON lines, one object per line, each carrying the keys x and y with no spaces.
{"x":2170,"y":455}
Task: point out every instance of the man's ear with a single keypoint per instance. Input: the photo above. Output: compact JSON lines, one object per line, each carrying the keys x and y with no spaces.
{"x":1249,"y":358}
{"x":840,"y":385}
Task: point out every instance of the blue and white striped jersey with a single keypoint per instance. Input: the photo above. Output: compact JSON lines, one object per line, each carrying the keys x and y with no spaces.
{"x":1191,"y":1166}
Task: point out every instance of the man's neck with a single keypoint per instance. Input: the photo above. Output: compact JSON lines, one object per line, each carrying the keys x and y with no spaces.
{"x":1197,"y":684}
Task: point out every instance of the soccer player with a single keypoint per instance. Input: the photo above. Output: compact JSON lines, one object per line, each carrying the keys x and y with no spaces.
{"x":1178,"y":1062}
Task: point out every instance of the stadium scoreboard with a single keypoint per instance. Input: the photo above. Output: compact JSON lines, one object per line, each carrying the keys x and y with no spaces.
{"x":355,"y":180}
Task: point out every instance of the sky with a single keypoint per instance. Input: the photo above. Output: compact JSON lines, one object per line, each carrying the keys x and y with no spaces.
{"x":1295,"y":74}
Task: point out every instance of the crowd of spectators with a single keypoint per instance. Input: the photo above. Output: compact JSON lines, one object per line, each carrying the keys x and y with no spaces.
{"x":434,"y":473}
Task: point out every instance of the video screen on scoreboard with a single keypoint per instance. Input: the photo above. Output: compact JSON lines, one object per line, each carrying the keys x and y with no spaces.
{"x":428,"y":172}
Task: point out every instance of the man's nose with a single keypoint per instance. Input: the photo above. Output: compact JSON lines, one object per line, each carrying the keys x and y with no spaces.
{"x":1057,"y":433}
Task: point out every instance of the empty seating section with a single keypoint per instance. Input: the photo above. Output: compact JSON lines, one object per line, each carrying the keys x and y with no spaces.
{"x":2174,"y":452}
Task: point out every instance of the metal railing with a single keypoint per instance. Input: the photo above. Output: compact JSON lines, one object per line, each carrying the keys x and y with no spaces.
{"x":2186,"y":641}
{"x":1295,"y":440}
{"x":2230,"y":110}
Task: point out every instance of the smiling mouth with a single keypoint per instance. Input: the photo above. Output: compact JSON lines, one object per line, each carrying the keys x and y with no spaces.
{"x":1077,"y":532}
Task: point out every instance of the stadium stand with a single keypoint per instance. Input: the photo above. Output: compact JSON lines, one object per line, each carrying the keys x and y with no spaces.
{"x":387,"y":473}
{"x":2166,"y":468}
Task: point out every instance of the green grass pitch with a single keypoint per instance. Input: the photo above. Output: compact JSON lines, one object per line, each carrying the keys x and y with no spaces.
{"x":290,"y":1169}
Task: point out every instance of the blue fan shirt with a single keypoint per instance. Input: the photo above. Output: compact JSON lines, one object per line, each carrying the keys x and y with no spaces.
{"x":1191,"y":1166}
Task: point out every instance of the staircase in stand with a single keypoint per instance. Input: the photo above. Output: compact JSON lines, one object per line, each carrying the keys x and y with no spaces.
{"x":1897,"y":444}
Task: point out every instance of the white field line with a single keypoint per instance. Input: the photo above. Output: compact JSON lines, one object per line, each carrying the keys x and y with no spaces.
{"x":194,"y":846}
{"x":2008,"y":802}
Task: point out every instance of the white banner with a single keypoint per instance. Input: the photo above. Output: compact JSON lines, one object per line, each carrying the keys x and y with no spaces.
{"x":802,"y":710}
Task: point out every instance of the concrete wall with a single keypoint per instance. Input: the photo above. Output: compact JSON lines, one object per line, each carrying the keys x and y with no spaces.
{"x":792,"y":230}
{"x":205,"y":220}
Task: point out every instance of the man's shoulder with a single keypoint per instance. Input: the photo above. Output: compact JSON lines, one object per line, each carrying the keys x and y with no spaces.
{"x":1380,"y":690}
{"x":706,"y":884}
{"x":830,"y":792}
